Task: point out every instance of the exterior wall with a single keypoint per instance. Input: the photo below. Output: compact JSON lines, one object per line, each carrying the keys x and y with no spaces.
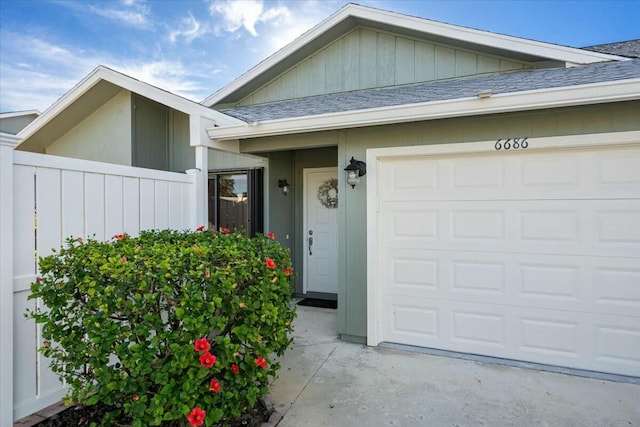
{"x":352,"y":286}
{"x":279,"y":206}
{"x":182,"y":156}
{"x":13,"y":125}
{"x":364,"y":59}
{"x":353,"y":268}
{"x":103,"y":136}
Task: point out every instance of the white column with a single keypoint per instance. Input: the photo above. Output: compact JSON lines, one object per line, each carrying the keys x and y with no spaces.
{"x":6,"y":283}
{"x":202,"y":205}
{"x":197,"y":134}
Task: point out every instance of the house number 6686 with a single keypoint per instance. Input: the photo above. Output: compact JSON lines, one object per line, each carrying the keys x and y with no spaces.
{"x":512,"y":143}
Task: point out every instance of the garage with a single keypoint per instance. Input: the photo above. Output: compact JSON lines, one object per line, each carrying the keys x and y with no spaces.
{"x":529,"y":253}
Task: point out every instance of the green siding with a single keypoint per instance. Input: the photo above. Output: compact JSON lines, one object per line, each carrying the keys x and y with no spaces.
{"x":364,"y":59}
{"x":182,"y":155}
{"x":352,"y":289}
{"x":150,"y":127}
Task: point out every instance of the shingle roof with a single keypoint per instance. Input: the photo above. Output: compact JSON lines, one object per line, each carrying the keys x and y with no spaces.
{"x":439,"y":91}
{"x":630,"y":48}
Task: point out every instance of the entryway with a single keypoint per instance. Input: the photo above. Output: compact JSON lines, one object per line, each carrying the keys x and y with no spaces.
{"x":320,"y":231}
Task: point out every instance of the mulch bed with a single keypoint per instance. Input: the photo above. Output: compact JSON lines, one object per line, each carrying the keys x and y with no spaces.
{"x":83,"y":416}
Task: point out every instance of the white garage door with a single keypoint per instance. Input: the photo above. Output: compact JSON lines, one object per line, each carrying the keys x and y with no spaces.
{"x":527,"y":255}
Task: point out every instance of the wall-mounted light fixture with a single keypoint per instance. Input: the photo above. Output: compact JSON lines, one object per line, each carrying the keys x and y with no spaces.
{"x":355,"y":169}
{"x":284,"y":186}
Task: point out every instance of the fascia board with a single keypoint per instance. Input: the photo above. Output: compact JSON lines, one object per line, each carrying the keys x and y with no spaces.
{"x":623,"y":90}
{"x":63,"y":102}
{"x":19,"y":114}
{"x":486,"y":38}
{"x":469,"y":35}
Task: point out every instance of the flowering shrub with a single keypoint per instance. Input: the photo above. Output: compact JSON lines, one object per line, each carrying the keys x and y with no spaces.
{"x":170,"y":327}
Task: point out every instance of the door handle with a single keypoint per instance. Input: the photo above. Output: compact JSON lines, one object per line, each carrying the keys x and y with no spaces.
{"x":310,"y":244}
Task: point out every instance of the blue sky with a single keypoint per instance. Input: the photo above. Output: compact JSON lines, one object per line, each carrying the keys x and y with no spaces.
{"x":195,"y":47}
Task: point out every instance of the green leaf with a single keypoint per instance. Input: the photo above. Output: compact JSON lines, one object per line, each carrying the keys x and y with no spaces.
{"x":93,"y":400}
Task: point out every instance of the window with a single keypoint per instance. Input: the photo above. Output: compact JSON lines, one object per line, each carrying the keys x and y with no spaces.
{"x":236,"y":201}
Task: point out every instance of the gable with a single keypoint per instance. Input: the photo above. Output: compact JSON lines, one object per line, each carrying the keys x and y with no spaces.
{"x":366,"y":59}
{"x":266,"y":80}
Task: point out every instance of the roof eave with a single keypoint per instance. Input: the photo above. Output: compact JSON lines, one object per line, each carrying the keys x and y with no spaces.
{"x":596,"y":93}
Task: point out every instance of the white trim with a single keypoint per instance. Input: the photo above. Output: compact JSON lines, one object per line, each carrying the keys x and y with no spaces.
{"x":453,"y":32}
{"x":375,"y":156}
{"x":11,"y":114}
{"x":6,"y":284}
{"x":616,"y":91}
{"x":9,"y":139}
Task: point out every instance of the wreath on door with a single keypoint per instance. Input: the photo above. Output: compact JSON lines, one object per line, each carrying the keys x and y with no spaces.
{"x":328,"y":193}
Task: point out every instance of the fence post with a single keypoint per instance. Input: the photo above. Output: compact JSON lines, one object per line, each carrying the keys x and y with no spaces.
{"x":6,"y":282}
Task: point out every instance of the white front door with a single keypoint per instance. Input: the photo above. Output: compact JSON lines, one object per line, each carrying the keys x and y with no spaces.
{"x":320,"y":234}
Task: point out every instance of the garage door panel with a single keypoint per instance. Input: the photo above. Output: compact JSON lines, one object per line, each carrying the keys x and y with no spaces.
{"x":618,"y":174}
{"x":597,"y":285}
{"x":617,"y":344}
{"x":563,"y":174}
{"x":592,"y":342}
{"x":576,"y":227}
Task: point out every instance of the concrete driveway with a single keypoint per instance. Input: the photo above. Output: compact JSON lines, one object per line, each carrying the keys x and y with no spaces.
{"x":327,"y":382}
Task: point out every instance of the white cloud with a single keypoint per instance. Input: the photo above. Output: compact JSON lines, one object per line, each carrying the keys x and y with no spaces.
{"x":134,"y":14}
{"x":46,"y":71}
{"x":246,"y":14}
{"x":172,"y":76}
{"x":190,"y":29}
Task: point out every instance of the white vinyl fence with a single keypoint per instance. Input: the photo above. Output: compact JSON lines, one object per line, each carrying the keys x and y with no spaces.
{"x":46,"y":199}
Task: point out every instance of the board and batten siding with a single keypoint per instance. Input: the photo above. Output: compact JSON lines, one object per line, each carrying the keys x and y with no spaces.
{"x":365,"y":59}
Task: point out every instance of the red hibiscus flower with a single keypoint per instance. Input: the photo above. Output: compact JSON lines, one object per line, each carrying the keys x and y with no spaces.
{"x":261,"y":362}
{"x":135,"y":397}
{"x":38,"y":279}
{"x":119,"y":236}
{"x":207,"y":360}
{"x":288,"y":271}
{"x":207,"y":273}
{"x":214,"y":386}
{"x":201,"y":228}
{"x":224,"y":230}
{"x":272,"y":235}
{"x":201,"y":345}
{"x":196,"y":417}
{"x":271,"y":264}
{"x":235,"y":369}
